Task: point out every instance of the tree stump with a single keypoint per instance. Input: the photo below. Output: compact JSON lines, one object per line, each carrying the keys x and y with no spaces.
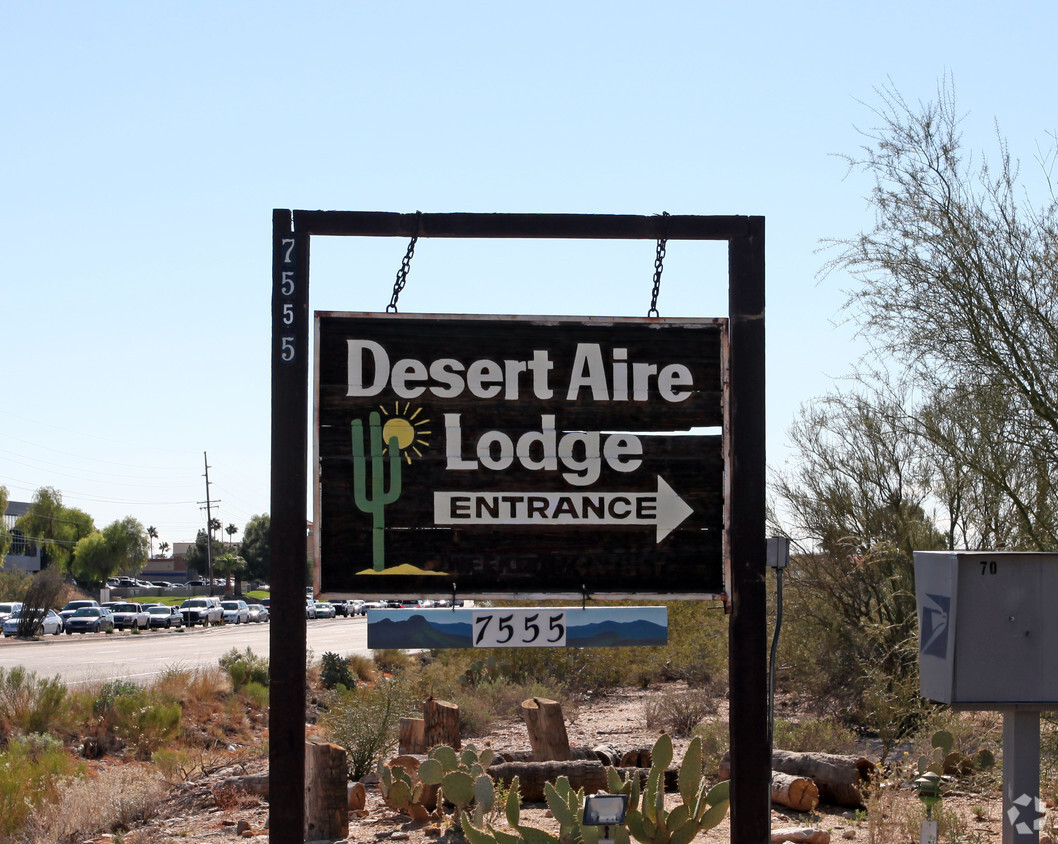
{"x":326,"y":794}
{"x":411,"y":737}
{"x":547,"y":729}
{"x":440,"y":723}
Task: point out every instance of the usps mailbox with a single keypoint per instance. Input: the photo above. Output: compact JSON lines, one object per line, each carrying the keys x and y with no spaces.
{"x":988,"y":628}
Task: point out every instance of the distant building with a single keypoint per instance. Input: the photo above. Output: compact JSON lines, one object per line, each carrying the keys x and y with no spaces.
{"x":20,"y":554}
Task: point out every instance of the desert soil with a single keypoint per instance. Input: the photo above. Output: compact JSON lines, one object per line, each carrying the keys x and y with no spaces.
{"x":206,"y":810}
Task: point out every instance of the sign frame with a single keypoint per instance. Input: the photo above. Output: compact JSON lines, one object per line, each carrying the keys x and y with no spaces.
{"x":745,"y":480}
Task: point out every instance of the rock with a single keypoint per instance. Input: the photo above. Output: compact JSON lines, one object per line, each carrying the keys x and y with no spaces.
{"x":800,"y":835}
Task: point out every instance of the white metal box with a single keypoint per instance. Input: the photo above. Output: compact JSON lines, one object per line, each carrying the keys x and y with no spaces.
{"x":988,"y":627}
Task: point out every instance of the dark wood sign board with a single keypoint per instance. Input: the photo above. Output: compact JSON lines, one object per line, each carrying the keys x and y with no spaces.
{"x":534,"y":455}
{"x":744,"y":473}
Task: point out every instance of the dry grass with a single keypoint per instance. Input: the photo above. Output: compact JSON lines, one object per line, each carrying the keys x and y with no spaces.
{"x":115,"y":799}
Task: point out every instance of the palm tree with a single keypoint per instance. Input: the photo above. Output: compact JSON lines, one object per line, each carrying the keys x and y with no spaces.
{"x":231,"y":530}
{"x":152,"y":534}
{"x":163,"y":549}
{"x":228,"y":564}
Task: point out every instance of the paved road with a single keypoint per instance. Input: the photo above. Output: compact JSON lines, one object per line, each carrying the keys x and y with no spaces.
{"x":99,"y":657}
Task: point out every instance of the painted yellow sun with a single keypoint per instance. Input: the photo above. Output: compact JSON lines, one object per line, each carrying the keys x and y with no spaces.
{"x":406,"y":426}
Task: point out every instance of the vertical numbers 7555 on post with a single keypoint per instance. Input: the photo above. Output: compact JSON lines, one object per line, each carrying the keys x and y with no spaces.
{"x":520,"y":628}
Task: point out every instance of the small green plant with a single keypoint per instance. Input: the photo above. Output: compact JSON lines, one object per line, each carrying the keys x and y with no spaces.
{"x":32,"y":770}
{"x":364,"y":720}
{"x":820,"y":735}
{"x":334,"y":671}
{"x":947,"y":760}
{"x":679,"y":712}
{"x":29,"y":704}
{"x":245,"y":667}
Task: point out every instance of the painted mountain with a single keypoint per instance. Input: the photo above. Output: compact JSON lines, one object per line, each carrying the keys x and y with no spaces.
{"x":411,"y":629}
{"x":612,"y":634}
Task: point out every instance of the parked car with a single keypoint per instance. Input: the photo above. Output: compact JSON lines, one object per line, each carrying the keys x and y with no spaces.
{"x":129,"y":614}
{"x":205,"y":610}
{"x":9,"y":608}
{"x":89,"y":620}
{"x":162,"y":616}
{"x":235,"y":612}
{"x":51,"y":623}
{"x":324,"y":609}
{"x":73,"y":606}
{"x":310,"y":608}
{"x":258,"y":613}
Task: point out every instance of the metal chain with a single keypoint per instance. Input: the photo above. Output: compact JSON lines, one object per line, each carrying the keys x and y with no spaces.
{"x":659,"y":266}
{"x":405,"y":268}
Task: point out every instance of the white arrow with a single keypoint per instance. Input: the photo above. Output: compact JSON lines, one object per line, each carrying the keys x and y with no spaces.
{"x":664,"y":509}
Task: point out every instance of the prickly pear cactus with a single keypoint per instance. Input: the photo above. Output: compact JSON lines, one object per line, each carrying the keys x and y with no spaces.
{"x":700,"y":807}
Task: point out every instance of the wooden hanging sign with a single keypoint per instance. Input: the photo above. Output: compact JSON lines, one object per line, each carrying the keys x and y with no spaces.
{"x":506,"y":456}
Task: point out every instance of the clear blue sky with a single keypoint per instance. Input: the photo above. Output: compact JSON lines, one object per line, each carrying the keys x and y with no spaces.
{"x":144,"y":146}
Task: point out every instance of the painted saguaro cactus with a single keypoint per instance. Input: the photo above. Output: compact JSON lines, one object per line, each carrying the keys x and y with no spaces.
{"x":373,"y":500}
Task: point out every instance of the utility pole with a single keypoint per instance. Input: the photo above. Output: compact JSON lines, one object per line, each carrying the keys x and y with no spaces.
{"x":209,"y":524}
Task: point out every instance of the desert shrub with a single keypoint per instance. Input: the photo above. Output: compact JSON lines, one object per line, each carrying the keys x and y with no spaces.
{"x":364,"y":720}
{"x":392,"y":660}
{"x":115,"y":800}
{"x":255,"y":695}
{"x":32,"y":771}
{"x":334,"y":671}
{"x":103,"y":703}
{"x":821,"y":735}
{"x":716,"y":739}
{"x":245,"y":667}
{"x":145,"y":722}
{"x":679,"y":712}
{"x":141,"y":719}
{"x":176,"y":765}
{"x":31,"y":704}
{"x":362,"y":666}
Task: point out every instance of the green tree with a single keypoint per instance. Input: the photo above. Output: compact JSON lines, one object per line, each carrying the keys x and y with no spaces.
{"x":228,"y":564}
{"x":122,"y":546}
{"x":255,"y":547}
{"x":195,"y":556}
{"x":152,"y":534}
{"x":54,"y":528}
{"x":231,"y":530}
{"x":855,"y":502}
{"x":163,"y":549}
{"x":958,"y":287}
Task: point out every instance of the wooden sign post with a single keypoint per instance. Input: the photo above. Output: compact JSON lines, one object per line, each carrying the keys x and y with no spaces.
{"x":570,"y":392}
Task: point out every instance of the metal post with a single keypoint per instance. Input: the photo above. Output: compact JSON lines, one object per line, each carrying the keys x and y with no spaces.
{"x":1022,"y":809}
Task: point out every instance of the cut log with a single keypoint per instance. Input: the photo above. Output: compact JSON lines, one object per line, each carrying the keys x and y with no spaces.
{"x":591,"y":776}
{"x":801,"y":835}
{"x":841,"y":779}
{"x":638,"y":758}
{"x":255,"y":784}
{"x":411,"y":737}
{"x":440,"y":723}
{"x":326,"y":795}
{"x":575,"y":753}
{"x":797,"y":793}
{"x":547,"y":729}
